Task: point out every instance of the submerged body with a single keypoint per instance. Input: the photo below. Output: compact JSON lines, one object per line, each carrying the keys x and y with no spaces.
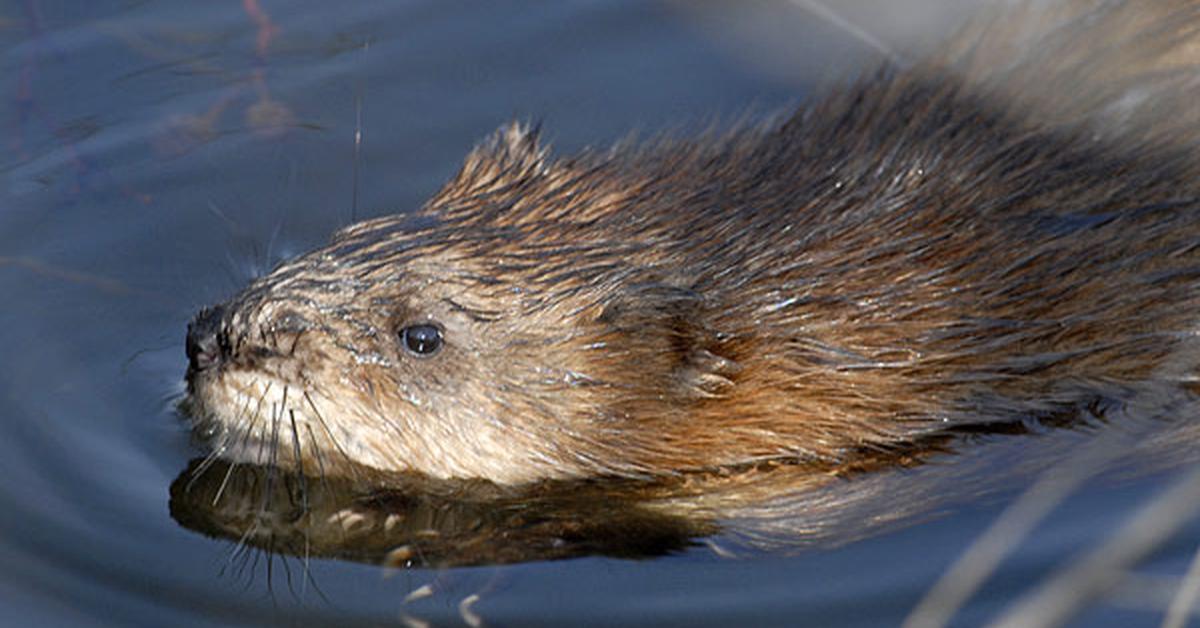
{"x":926,"y":251}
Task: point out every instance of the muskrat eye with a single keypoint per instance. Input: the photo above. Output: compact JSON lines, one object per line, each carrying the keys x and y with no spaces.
{"x":423,"y":340}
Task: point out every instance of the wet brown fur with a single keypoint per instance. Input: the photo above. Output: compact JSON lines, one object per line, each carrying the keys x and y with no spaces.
{"x":957,"y":244}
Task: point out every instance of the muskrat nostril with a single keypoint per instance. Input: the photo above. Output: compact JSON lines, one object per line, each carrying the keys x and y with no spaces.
{"x":204,"y":346}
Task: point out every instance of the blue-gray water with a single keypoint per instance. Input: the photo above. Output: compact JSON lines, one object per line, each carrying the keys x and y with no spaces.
{"x":137,"y":184}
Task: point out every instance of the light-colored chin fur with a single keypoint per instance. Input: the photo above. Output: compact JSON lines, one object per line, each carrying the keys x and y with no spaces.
{"x":253,"y":417}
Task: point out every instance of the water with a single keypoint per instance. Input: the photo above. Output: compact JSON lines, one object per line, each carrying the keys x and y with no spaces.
{"x":157,"y":155}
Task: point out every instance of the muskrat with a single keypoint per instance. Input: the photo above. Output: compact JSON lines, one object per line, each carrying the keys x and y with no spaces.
{"x":926,"y":250}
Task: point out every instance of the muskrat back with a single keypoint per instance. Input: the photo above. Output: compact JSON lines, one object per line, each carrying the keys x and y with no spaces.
{"x":925,"y":250}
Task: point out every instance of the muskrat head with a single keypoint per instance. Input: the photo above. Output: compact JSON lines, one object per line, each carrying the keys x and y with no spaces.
{"x":486,"y":335}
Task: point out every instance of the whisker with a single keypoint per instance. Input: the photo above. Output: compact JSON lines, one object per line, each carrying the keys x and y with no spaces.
{"x":251,"y":562}
{"x":270,"y":553}
{"x":321,"y":594}
{"x":316,"y":449}
{"x":304,"y":509}
{"x":214,"y":452}
{"x":287,"y":575}
{"x":357,"y":155}
{"x":224,"y":483}
{"x":296,"y":453}
{"x":242,"y":555}
{"x":276,"y":417}
{"x":854,"y":30}
{"x":295,"y":341}
{"x":272,"y":467}
{"x":244,"y":428}
{"x":237,"y":430}
{"x":332,"y":438}
{"x":209,"y":459}
{"x":265,"y":438}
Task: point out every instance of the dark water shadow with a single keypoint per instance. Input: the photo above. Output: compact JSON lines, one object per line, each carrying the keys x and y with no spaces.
{"x":413,"y":521}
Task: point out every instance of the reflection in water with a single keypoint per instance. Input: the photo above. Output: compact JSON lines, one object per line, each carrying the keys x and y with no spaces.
{"x":412,"y":521}
{"x":415,"y":522}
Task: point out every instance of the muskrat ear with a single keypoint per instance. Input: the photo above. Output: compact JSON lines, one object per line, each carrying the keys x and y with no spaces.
{"x":659,"y":329}
{"x":509,"y":155}
{"x":519,"y":142}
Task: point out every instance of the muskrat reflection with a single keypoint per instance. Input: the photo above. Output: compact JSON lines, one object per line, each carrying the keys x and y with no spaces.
{"x":408,"y":520}
{"x":412,"y":522}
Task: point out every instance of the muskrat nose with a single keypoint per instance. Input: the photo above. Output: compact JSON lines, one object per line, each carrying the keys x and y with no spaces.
{"x":205,"y":348}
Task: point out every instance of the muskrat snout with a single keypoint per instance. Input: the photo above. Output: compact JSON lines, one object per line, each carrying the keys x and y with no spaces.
{"x":206,"y":347}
